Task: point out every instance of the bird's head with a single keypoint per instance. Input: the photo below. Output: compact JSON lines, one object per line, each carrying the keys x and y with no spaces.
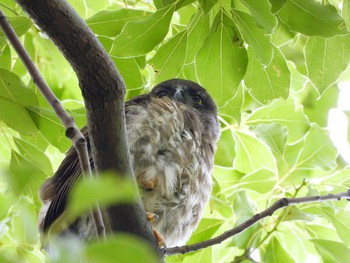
{"x":187,"y":92}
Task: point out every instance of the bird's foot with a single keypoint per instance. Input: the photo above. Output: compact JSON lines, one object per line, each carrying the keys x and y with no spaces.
{"x":160,"y":239}
{"x":147,"y":185}
{"x":152,"y":217}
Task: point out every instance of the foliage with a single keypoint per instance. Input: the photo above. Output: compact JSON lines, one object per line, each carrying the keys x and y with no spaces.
{"x":272,"y":67}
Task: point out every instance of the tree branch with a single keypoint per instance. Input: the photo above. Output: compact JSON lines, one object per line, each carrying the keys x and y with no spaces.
{"x":72,"y":131}
{"x":103,"y":90}
{"x":284,"y":202}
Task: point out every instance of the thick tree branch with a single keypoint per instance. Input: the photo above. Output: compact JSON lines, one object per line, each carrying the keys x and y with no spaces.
{"x":103,"y":91}
{"x":72,"y":131}
{"x":284,"y":202}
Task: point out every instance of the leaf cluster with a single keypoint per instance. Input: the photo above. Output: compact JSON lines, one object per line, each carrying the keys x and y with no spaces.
{"x":272,"y":67}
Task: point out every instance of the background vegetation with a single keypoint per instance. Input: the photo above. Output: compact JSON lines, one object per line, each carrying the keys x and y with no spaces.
{"x":272,"y":67}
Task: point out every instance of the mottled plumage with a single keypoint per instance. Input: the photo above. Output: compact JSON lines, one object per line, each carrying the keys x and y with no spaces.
{"x":172,"y":135}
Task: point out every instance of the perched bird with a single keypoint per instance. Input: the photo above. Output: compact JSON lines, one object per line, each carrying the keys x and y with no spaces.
{"x":172,"y":135}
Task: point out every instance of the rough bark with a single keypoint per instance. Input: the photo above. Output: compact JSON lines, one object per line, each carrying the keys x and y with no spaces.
{"x":103,"y":90}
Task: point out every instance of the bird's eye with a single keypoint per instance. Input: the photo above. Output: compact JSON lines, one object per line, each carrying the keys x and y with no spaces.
{"x":197,"y":99}
{"x":161,"y":94}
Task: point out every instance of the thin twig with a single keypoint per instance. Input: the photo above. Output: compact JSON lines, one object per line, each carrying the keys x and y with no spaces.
{"x":72,"y":131}
{"x":284,"y":202}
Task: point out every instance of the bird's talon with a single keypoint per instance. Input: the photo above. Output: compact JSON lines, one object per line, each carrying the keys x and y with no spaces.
{"x":152,"y":217}
{"x":160,"y":239}
{"x":147,"y":185}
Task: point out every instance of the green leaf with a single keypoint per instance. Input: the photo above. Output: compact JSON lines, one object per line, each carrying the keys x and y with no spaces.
{"x":207,"y":5}
{"x":244,"y":210}
{"x":34,"y":156}
{"x":254,"y":36}
{"x":265,"y":83}
{"x":332,"y":251}
{"x":274,"y":135}
{"x":111,"y":23}
{"x":20,"y":24}
{"x":346,"y":13}
{"x":285,"y":113}
{"x":261,"y":11}
{"x":295,"y":214}
{"x":321,"y":231}
{"x":276,"y":5}
{"x":276,"y":253}
{"x":233,"y":107}
{"x":326,"y":59}
{"x":252,"y":154}
{"x":261,"y":181}
{"x":5,"y":61}
{"x":225,"y":153}
{"x":318,"y":151}
{"x":131,"y":72}
{"x":198,"y":29}
{"x":50,"y":126}
{"x":180,"y":3}
{"x":227,"y":179}
{"x":102,"y":190}
{"x":121,"y":248}
{"x":341,"y":222}
{"x":14,"y":98}
{"x":170,"y":57}
{"x":221,"y":76}
{"x":140,"y":37}
{"x":205,"y":230}
{"x":24,"y":173}
{"x":317,"y":108}
{"x":321,"y":20}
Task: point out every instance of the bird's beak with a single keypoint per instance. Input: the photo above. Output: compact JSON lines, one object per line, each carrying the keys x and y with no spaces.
{"x":179,"y":95}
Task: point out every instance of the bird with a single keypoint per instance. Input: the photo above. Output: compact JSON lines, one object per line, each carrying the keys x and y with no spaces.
{"x":172,"y":134}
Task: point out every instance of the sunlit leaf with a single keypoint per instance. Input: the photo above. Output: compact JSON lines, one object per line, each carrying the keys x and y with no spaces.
{"x":265,"y":83}
{"x":312,"y":13}
{"x":139,"y":37}
{"x":121,"y":248}
{"x":276,"y":5}
{"x":23,"y":174}
{"x":326,"y":59}
{"x":198,"y":29}
{"x":131,"y":72}
{"x":34,"y":156}
{"x":170,"y":57}
{"x":111,"y":23}
{"x":20,"y":24}
{"x":276,"y":253}
{"x":50,"y":126}
{"x":261,"y":181}
{"x":254,"y":36}
{"x":207,"y":5}
{"x":274,"y":135}
{"x":261,"y":11}
{"x":341,"y":222}
{"x":5,"y":61}
{"x":252,"y":154}
{"x":14,"y":98}
{"x":102,"y":190}
{"x":221,"y":76}
{"x":318,"y":150}
{"x":346,"y":13}
{"x":317,"y":108}
{"x":285,"y":113}
{"x":332,"y":251}
{"x":225,"y":153}
{"x":206,"y":229}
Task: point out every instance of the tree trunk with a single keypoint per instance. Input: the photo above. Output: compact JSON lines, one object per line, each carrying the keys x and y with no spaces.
{"x":103,"y":90}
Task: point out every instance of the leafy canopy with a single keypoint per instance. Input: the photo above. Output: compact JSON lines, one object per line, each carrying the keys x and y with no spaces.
{"x":272,"y":67}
